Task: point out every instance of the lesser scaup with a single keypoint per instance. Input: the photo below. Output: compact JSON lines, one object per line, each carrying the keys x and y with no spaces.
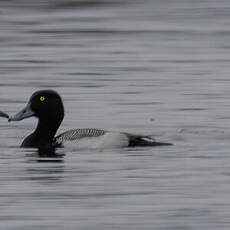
{"x":47,"y":106}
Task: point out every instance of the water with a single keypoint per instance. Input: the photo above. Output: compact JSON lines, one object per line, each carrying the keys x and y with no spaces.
{"x":150,"y":67}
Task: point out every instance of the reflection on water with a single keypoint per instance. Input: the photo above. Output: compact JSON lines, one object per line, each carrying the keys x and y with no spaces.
{"x":46,"y":173}
{"x":45,"y":165}
{"x":152,"y":67}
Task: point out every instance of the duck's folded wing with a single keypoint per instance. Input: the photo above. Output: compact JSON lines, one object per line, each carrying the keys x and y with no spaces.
{"x":77,"y":134}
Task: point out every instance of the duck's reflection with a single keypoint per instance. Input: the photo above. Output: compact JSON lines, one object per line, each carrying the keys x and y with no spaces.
{"x":51,"y":171}
{"x":47,"y":154}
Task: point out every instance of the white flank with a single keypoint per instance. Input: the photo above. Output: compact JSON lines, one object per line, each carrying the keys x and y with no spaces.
{"x":107,"y":141}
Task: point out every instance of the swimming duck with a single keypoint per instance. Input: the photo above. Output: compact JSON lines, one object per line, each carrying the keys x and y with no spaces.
{"x":48,"y":107}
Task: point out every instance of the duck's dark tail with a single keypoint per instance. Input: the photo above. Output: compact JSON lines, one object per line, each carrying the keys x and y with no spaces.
{"x":144,"y":141}
{"x":2,"y":114}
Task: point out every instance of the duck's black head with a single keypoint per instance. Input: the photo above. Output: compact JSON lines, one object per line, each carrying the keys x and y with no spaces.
{"x":47,"y":106}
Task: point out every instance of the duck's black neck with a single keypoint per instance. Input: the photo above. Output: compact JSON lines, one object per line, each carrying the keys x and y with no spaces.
{"x":43,"y":135}
{"x":46,"y":130}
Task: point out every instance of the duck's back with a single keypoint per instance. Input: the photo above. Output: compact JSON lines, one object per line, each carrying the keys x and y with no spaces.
{"x":92,"y":139}
{"x":77,"y":134}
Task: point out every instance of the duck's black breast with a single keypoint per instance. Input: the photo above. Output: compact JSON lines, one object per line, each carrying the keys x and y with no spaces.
{"x":33,"y":141}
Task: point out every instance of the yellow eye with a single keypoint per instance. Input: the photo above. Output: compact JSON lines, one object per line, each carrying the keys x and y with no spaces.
{"x":42,"y":98}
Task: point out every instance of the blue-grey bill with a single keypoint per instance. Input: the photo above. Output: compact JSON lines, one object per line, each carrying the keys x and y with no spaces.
{"x":23,"y":114}
{"x":2,"y":114}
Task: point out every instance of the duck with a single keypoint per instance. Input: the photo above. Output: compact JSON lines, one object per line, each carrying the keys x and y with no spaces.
{"x":47,"y":106}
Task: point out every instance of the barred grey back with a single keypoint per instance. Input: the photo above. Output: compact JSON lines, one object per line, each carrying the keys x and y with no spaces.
{"x":77,"y":134}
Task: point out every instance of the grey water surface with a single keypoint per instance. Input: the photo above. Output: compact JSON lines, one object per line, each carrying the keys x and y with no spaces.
{"x":149,"y":67}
